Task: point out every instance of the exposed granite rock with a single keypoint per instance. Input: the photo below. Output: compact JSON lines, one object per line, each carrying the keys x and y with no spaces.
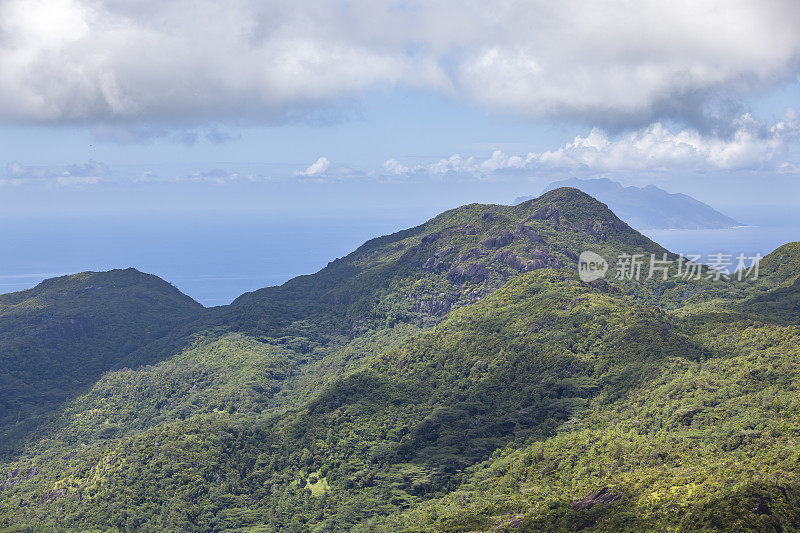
{"x":472,"y":253}
{"x":15,"y":476}
{"x":509,"y":258}
{"x":521,"y":231}
{"x":548,"y":213}
{"x":604,"y":495}
{"x":471,"y":273}
{"x":436,"y":304}
{"x":435,"y":265}
{"x":51,"y":496}
{"x":505,"y":238}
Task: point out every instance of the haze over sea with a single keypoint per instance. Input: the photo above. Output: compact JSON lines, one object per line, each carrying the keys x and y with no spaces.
{"x":216,"y":256}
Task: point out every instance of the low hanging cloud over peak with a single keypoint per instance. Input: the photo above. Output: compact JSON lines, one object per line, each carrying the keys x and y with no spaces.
{"x":187,"y":63}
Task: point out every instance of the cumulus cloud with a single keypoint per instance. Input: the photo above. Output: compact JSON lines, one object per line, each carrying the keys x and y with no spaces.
{"x":323,"y":170}
{"x":392,"y":167}
{"x":751,"y":145}
{"x":455,"y":164}
{"x":183,"y":61}
{"x":317,"y":168}
{"x":186,"y":62}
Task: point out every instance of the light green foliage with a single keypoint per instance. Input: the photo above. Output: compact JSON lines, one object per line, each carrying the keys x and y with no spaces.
{"x":404,"y":388}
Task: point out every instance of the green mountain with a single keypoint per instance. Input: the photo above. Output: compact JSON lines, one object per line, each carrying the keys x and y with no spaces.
{"x":456,"y":376}
{"x":648,"y":207}
{"x":59,"y":337}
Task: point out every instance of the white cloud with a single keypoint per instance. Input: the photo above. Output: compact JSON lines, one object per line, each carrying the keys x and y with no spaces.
{"x":752,"y":145}
{"x":322,"y":170}
{"x":455,"y":164}
{"x":194,"y":62}
{"x":183,"y":61}
{"x":653,"y":148}
{"x":393,"y":167}
{"x":317,"y":168}
{"x":499,"y":161}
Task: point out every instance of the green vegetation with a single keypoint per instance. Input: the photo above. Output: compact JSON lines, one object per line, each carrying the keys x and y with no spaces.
{"x":59,"y":337}
{"x":456,"y":376}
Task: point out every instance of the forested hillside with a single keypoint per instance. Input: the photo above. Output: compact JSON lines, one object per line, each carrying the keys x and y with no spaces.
{"x":59,"y":337}
{"x":456,"y":376}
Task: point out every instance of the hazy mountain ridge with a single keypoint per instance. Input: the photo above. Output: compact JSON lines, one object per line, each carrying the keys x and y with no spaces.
{"x":460,"y":363}
{"x":648,"y":207}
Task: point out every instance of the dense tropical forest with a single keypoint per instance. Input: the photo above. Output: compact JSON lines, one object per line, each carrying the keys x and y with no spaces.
{"x":455,"y":377}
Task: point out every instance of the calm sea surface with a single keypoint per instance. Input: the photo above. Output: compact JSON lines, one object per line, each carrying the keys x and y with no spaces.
{"x":215,"y":257}
{"x":212,"y":257}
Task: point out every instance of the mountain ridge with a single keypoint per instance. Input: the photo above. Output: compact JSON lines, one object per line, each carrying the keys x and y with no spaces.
{"x":436,"y":379}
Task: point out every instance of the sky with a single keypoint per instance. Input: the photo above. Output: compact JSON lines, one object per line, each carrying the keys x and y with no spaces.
{"x":146,"y":106}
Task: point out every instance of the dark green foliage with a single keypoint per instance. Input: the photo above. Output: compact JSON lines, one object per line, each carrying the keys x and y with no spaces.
{"x":451,"y":377}
{"x":60,"y":336}
{"x":782,"y":265}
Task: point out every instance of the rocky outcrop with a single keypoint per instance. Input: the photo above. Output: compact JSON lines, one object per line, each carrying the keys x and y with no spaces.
{"x":548,"y":213}
{"x":505,"y":238}
{"x":521,"y":231}
{"x":471,"y":273}
{"x":509,"y":258}
{"x":472,"y":253}
{"x":604,"y":495}
{"x":436,"y":304}
{"x":436,"y":265}
{"x":15,"y":475}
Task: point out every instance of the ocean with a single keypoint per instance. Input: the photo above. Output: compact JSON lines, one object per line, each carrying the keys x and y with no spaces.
{"x":765,"y":230}
{"x":212,"y":257}
{"x":215,"y":257}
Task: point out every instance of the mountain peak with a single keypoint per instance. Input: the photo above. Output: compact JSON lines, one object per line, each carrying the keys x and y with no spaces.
{"x":91,"y":285}
{"x":647,"y":207}
{"x":573,"y":197}
{"x":568,"y":194}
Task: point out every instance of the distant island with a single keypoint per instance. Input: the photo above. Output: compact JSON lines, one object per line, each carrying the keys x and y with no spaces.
{"x":648,"y":207}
